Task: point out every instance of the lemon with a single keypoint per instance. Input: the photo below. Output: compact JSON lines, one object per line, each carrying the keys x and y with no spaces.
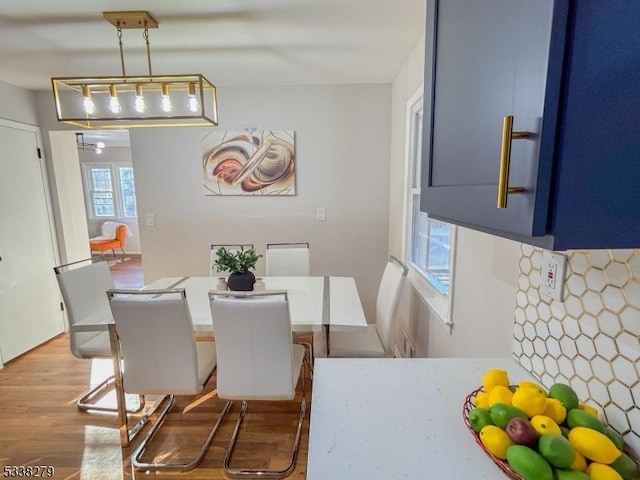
{"x":544,"y":425}
{"x":579,"y":463}
{"x":500,"y":394}
{"x":482,"y":399}
{"x":598,"y":471}
{"x":531,"y":401}
{"x":594,"y":445}
{"x":494,"y":377}
{"x":526,"y":384}
{"x":589,"y":409}
{"x":495,"y":440}
{"x":555,"y":410}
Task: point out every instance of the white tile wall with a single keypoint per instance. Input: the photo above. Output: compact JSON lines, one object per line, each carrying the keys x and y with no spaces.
{"x":591,"y":340}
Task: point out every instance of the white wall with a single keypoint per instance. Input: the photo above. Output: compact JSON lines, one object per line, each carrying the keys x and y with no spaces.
{"x":486,"y":271}
{"x":18,"y":104}
{"x":342,"y":150}
{"x":73,"y":239}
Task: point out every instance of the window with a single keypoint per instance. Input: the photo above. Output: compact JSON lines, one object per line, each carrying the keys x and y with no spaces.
{"x":128,"y":191}
{"x":429,"y":245}
{"x":110,"y":191}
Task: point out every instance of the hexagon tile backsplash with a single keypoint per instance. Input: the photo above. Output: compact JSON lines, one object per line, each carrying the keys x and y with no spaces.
{"x":592,"y":339}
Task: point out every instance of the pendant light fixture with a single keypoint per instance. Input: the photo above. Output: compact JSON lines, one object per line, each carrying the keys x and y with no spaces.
{"x":97,"y":147}
{"x":172,"y":100}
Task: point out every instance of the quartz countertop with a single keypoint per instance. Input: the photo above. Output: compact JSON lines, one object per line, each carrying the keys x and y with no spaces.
{"x":398,"y":419}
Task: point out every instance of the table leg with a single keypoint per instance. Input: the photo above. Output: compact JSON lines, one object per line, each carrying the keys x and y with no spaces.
{"x":326,"y":320}
{"x":327,"y":333}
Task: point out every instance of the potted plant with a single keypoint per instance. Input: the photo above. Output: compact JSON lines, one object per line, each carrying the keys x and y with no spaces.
{"x":238,"y":263}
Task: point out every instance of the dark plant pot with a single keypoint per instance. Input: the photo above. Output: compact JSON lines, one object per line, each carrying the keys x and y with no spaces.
{"x":241,"y":282}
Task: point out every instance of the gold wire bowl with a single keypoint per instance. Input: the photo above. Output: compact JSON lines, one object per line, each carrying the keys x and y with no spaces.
{"x":469,"y":404}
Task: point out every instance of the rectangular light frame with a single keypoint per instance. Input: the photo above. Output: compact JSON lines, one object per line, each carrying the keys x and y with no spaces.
{"x":68,"y":97}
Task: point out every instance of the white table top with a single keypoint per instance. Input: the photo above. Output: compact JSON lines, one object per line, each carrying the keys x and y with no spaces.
{"x":306,"y":297}
{"x":386,"y":419}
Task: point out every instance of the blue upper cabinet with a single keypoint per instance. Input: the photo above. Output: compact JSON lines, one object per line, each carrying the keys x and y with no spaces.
{"x":532,"y":120}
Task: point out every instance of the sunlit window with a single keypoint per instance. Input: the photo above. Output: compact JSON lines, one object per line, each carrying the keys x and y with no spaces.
{"x":110,"y":191}
{"x":429,"y":242}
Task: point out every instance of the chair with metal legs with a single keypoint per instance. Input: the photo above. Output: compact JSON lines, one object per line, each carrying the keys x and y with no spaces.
{"x":256,"y":360}
{"x":287,"y":259}
{"x":153,"y":334}
{"x":83,"y":286}
{"x":290,"y":260}
{"x":378,"y":340}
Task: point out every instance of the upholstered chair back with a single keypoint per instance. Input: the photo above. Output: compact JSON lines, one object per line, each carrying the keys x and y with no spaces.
{"x":254,"y":348}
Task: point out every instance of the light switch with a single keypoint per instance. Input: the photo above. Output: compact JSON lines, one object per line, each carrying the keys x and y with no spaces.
{"x":554,"y":266}
{"x":322,"y":214}
{"x":150,"y":220}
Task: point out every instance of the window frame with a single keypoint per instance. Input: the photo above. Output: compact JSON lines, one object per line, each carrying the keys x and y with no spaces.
{"x":440,"y":304}
{"x":117,"y":191}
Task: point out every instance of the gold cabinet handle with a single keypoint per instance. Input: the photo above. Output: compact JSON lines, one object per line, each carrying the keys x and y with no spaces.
{"x":505,"y":161}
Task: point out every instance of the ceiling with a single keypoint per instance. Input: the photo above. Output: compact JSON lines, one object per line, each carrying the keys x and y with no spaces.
{"x":231,"y":42}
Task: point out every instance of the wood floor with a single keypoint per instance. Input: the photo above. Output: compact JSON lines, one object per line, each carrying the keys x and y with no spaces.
{"x":40,"y":424}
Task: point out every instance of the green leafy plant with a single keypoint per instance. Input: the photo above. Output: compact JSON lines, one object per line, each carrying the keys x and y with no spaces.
{"x":237,"y":261}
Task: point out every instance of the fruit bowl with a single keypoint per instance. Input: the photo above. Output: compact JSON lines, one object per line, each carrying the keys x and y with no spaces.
{"x":469,"y":404}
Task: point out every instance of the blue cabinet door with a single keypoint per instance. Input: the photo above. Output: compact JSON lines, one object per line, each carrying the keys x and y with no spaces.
{"x":486,"y":60}
{"x":568,"y":73}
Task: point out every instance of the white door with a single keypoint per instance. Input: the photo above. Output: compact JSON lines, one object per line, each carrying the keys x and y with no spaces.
{"x":29,"y":297}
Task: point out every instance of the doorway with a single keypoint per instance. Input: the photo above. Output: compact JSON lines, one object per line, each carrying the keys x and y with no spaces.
{"x":108,"y":183}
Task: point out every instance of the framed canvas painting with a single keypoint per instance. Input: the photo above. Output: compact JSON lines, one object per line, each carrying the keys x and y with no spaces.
{"x":261,"y":162}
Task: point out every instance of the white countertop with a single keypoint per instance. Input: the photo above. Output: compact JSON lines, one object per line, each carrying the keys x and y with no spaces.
{"x":398,"y":419}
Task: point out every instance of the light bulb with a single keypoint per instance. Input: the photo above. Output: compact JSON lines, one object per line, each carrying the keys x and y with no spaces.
{"x":194,"y":106}
{"x":89,"y":106}
{"x":100,"y":144}
{"x":98,"y":151}
{"x":87,"y":103}
{"x":139,"y":105}
{"x":165,"y":104}
{"x":114,"y":103}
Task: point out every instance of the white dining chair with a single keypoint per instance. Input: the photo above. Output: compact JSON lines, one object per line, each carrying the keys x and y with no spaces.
{"x":378,"y":339}
{"x":290,"y":260}
{"x":153,"y":333}
{"x":213,"y":269}
{"x":287,"y":259}
{"x":256,"y":360}
{"x":83,"y":286}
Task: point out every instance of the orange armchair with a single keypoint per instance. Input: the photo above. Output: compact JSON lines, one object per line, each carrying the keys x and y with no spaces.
{"x":110,"y":244}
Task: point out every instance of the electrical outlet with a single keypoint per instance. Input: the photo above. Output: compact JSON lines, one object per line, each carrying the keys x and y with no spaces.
{"x":554,"y":266}
{"x":321,"y":214}
{"x":150,"y":219}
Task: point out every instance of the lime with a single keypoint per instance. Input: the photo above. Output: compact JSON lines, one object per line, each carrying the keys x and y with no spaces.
{"x":479,"y":417}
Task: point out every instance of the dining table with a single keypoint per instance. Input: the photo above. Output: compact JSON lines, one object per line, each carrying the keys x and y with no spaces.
{"x":316,"y":303}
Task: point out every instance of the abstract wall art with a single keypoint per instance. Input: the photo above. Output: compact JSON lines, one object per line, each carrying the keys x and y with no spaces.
{"x":261,"y":162}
